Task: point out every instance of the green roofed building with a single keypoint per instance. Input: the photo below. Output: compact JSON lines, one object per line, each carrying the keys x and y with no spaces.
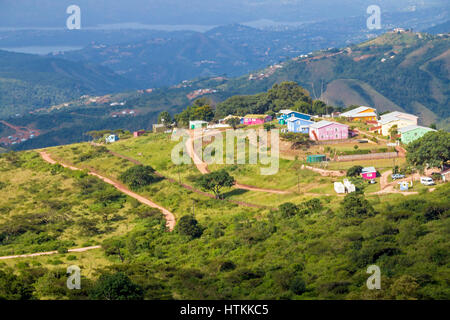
{"x":412,"y":133}
{"x":316,"y":158}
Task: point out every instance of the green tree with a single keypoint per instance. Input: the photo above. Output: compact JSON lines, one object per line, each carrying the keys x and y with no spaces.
{"x":215,"y":181}
{"x":139,"y":176}
{"x":233,"y":122}
{"x":116,"y":286}
{"x":432,"y":150}
{"x":188,"y":226}
{"x":204,"y":113}
{"x":393,"y":132}
{"x":355,"y":205}
{"x":354,"y":171}
{"x":165,"y":118}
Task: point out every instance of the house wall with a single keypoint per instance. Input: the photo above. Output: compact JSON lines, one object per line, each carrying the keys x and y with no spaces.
{"x":369,"y":175}
{"x":253,"y":121}
{"x":331,"y":132}
{"x":299,"y":126}
{"x":400,"y":124}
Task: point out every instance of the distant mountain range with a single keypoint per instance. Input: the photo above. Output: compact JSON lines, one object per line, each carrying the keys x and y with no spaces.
{"x":404,"y":71}
{"x":29,"y":82}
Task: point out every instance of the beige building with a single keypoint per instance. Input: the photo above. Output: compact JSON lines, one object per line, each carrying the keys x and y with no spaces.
{"x":400,"y":119}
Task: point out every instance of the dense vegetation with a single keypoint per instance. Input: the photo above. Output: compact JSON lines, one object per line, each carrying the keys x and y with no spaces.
{"x":319,"y":248}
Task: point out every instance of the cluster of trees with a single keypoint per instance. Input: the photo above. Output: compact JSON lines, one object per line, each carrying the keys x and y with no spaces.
{"x":294,"y":246}
{"x":200,"y":110}
{"x":286,"y":95}
{"x":432,"y":150}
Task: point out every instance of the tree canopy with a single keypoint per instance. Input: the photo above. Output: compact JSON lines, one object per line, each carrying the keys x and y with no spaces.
{"x":139,"y":176}
{"x":215,"y":181}
{"x":432,"y":150}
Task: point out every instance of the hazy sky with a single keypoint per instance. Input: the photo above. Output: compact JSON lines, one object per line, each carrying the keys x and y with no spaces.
{"x":52,"y":13}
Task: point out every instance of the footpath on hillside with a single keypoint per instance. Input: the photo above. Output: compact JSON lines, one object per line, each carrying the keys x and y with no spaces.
{"x":169,"y":216}
{"x":203,"y":168}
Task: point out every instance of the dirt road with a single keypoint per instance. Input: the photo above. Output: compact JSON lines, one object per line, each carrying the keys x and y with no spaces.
{"x":203,"y":168}
{"x":169,"y":216}
{"x":49,"y":253}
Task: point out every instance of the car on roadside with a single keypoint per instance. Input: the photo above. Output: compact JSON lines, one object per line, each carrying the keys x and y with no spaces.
{"x":373,"y":181}
{"x":426,"y":181}
{"x":398,"y":176}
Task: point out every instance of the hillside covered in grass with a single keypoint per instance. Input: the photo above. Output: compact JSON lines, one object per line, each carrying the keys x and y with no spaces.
{"x":317,"y":248}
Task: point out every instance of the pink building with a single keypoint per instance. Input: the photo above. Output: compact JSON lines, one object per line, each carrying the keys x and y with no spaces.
{"x":252,"y":119}
{"x":326,"y":130}
{"x":138,"y":133}
{"x":369,"y":173}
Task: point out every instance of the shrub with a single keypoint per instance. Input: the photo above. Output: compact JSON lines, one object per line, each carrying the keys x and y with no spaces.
{"x":227,"y":266}
{"x":188,"y":226}
{"x":116,"y":287}
{"x":139,"y":176}
{"x":288,"y":209}
{"x":298,"y":286}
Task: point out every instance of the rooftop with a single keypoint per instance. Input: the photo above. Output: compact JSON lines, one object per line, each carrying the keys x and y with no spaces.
{"x":414,"y":127}
{"x":325,"y":123}
{"x":357,"y":111}
{"x":368,"y":170}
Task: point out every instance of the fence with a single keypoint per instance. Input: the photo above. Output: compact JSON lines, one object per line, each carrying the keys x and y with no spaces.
{"x":371,"y":156}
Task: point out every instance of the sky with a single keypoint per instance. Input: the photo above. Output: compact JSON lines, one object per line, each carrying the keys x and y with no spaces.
{"x":52,"y":13}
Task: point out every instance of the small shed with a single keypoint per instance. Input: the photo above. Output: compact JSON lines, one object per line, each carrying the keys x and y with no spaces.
{"x":369,"y":173}
{"x":339,"y":187}
{"x":138,"y":133}
{"x":197,"y":124}
{"x":349,"y":186}
{"x":316,"y":158}
{"x":112,"y":138}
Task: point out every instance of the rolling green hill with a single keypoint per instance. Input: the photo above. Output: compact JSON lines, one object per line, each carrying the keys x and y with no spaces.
{"x":407,"y":72}
{"x":29,"y":82}
{"x":321,"y":250}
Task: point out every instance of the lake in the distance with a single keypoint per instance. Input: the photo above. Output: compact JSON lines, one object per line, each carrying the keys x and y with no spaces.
{"x":42,"y":50}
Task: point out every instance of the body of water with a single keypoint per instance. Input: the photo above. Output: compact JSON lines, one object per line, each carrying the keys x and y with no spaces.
{"x":42,"y":50}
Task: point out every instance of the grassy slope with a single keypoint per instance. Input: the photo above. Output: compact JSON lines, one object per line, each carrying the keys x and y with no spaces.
{"x":327,"y":252}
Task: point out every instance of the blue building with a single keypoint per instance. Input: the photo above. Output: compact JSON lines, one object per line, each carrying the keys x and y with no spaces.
{"x":298,"y":125}
{"x":286,"y":114}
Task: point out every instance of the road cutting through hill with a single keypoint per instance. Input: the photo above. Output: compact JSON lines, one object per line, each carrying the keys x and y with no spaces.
{"x":169,"y":216}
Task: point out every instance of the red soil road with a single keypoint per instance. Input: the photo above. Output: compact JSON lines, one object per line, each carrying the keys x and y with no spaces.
{"x":203,"y":168}
{"x":49,"y":253}
{"x":188,"y":187}
{"x":169,"y":216}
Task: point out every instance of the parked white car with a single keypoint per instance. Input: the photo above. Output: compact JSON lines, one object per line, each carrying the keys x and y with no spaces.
{"x":426,"y":181}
